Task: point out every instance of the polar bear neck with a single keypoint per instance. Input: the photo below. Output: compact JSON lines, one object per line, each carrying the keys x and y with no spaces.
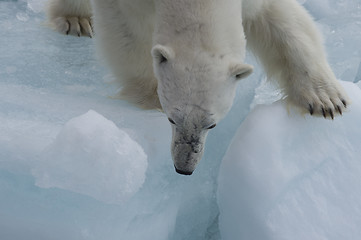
{"x":197,"y":25}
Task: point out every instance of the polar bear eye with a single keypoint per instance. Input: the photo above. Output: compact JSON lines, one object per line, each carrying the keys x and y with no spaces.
{"x":212,"y":126}
{"x":171,"y":121}
{"x":241,"y":70}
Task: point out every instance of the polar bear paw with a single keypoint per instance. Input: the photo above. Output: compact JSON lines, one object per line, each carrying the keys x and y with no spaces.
{"x":76,"y":26}
{"x":323,"y":98}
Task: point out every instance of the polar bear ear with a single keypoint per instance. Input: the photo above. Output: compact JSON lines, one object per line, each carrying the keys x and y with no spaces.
{"x":241,"y":70}
{"x":162,"y":53}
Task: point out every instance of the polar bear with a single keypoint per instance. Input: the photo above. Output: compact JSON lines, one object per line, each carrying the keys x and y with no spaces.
{"x":185,"y":57}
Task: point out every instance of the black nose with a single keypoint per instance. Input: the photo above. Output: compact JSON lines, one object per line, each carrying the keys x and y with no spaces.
{"x":182,"y":172}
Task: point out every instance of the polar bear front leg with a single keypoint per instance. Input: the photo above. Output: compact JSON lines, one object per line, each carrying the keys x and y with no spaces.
{"x":124,"y":31}
{"x":286,"y":40}
{"x":71,"y":17}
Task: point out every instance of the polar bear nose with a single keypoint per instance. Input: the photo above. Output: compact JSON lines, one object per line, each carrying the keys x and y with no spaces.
{"x":182,"y":172}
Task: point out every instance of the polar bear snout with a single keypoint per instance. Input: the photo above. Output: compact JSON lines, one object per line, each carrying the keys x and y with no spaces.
{"x":186,"y":153}
{"x":186,"y":156}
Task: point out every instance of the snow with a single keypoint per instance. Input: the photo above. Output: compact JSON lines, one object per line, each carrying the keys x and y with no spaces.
{"x":287,"y":176}
{"x":76,"y":163}
{"x":91,"y":145}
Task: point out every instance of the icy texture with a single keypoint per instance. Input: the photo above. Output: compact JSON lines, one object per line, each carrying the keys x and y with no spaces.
{"x":91,"y":145}
{"x":37,"y":5}
{"x":47,"y":79}
{"x":286,"y":176}
{"x":340,"y":23}
{"x":266,"y":93}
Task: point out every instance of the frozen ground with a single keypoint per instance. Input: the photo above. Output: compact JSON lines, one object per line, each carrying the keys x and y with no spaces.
{"x":77,"y":164}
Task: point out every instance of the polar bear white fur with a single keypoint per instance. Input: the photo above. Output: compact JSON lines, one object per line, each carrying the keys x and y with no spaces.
{"x":186,"y":57}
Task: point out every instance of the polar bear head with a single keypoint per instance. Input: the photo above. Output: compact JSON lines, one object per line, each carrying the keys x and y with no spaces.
{"x":196,"y":90}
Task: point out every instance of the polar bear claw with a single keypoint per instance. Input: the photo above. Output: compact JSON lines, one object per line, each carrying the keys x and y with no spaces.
{"x":71,"y":17}
{"x":327,"y":100}
{"x":76,"y":26}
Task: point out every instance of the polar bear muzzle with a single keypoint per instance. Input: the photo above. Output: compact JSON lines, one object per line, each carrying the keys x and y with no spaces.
{"x":187,"y":149}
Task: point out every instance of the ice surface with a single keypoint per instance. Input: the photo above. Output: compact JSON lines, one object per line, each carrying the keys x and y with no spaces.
{"x":36,"y":6}
{"x":47,"y":79}
{"x":287,"y":176}
{"x":340,"y":23}
{"x":91,"y":145}
{"x":266,"y":93}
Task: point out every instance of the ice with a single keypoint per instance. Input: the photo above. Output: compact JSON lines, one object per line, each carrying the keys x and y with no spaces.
{"x":91,"y":145}
{"x":267,"y":92}
{"x":22,"y":16}
{"x":48,"y":84}
{"x":36,"y":5}
{"x":287,"y":176}
{"x":340,"y":23}
{"x":320,"y":8}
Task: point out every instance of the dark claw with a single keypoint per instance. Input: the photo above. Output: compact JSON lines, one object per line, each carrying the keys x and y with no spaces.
{"x":344,"y":102}
{"x":67,"y":32}
{"x":89,"y":34}
{"x":331,"y":113}
{"x":323,"y":112}
{"x":339,"y":109}
{"x":310,"y":108}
